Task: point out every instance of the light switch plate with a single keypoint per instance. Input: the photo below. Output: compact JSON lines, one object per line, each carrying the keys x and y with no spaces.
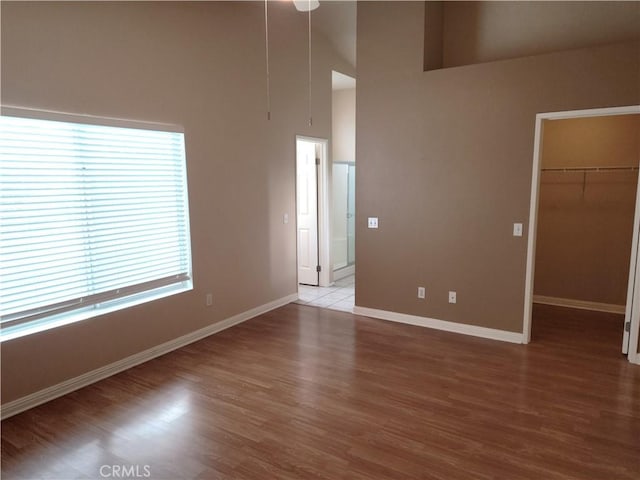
{"x":372,"y":222}
{"x":517,"y":229}
{"x":453,"y":297}
{"x":285,"y":218}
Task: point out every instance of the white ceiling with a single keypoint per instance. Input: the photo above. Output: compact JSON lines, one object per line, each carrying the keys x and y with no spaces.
{"x":340,"y":81}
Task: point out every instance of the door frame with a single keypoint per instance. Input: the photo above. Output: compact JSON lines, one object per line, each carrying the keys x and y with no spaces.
{"x":533,"y":222}
{"x":324,"y":233}
{"x":632,"y":310}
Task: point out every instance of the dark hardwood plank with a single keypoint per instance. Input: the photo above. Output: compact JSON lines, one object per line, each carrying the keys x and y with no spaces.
{"x":306,"y":393}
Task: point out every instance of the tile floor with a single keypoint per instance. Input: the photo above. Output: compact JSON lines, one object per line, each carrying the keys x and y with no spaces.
{"x":340,"y":296}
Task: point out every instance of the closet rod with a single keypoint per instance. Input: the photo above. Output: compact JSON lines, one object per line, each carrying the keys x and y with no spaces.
{"x":591,"y":169}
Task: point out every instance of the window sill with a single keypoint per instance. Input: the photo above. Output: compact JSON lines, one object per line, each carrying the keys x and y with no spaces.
{"x":61,"y":319}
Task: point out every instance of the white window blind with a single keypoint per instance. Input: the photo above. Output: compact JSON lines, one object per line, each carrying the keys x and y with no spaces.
{"x":90,"y":214}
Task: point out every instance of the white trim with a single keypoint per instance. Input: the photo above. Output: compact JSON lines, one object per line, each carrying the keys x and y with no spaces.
{"x":66,"y":318}
{"x":631,"y":337}
{"x":533,"y":214}
{"x":593,"y":112}
{"x":531,"y":240}
{"x":37,"y":398}
{"x":473,"y":330}
{"x":633,"y":314}
{"x":344,"y":272}
{"x":324,"y":224}
{"x":26,"y":112}
{"x":324,"y":216}
{"x":580,"y":304}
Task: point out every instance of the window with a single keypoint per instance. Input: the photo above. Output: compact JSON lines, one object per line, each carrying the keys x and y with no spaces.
{"x":93,"y":217}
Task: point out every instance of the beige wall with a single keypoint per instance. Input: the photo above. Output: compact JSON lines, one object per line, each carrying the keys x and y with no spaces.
{"x":200,"y":65}
{"x":585,"y":222}
{"x":344,"y":125}
{"x":444,"y":161}
{"x":475,"y":32}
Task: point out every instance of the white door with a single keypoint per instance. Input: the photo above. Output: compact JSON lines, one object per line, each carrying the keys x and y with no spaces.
{"x":634,"y":281}
{"x":307,"y":211}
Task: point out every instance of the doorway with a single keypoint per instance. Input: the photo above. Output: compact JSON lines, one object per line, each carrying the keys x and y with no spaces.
{"x":326,"y":255}
{"x":568,"y":205}
{"x":312,"y":212}
{"x":316,"y":287}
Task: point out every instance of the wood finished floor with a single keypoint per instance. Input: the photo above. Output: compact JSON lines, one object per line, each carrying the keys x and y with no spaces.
{"x":307,"y":393}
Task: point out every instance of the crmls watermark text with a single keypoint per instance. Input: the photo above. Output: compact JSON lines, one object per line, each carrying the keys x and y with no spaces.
{"x":125,"y":471}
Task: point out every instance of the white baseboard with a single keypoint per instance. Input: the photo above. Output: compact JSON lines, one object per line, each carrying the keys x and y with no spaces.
{"x":344,"y":272}
{"x":581,"y":304}
{"x":32,"y":400}
{"x":494,"y":334}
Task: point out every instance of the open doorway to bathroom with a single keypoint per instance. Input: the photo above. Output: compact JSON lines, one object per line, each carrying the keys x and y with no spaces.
{"x":340,"y":293}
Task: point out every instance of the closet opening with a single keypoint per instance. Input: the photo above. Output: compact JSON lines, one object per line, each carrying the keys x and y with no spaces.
{"x":582,"y":284}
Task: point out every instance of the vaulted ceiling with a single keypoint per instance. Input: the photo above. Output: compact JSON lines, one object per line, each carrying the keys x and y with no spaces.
{"x":337,"y":21}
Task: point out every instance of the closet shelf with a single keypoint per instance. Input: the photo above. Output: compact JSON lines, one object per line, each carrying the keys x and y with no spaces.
{"x":591,"y":169}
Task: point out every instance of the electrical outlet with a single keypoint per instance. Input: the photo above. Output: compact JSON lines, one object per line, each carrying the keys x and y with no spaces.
{"x":372,"y":222}
{"x":209,"y":299}
{"x":421,"y":292}
{"x":452,"y":297}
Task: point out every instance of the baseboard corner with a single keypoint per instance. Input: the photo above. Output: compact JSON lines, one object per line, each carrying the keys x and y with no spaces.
{"x":444,"y":325}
